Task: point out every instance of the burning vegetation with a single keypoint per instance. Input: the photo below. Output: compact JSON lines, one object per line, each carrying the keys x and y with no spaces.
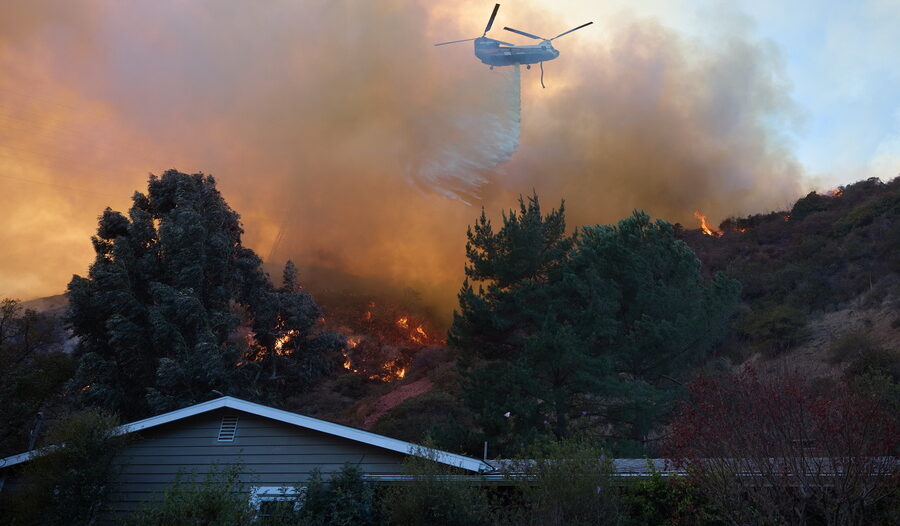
{"x":704,"y":225}
{"x":382,"y":338}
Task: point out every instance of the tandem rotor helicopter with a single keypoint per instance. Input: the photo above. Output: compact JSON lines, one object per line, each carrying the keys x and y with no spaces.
{"x":495,"y":52}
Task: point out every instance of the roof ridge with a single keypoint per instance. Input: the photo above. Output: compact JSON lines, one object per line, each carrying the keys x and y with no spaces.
{"x":288,"y":417}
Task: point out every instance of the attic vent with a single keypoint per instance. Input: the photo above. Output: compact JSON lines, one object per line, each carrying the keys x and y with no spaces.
{"x":228,"y":429}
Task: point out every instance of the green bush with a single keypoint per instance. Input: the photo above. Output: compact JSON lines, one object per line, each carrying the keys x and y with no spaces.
{"x":851,"y":344}
{"x":220,"y":499}
{"x":66,"y":484}
{"x":658,"y":501}
{"x":346,"y":499}
{"x":436,"y":494}
{"x":875,"y":360}
{"x":565,"y":483}
{"x":775,"y":329}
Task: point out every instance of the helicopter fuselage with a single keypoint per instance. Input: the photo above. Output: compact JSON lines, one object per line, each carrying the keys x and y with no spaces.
{"x":492,"y":53}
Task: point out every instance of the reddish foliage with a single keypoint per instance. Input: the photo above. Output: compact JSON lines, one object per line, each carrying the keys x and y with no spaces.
{"x":773,"y":450}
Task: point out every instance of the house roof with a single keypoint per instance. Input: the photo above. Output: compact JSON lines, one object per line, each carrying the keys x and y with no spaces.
{"x":306,"y":422}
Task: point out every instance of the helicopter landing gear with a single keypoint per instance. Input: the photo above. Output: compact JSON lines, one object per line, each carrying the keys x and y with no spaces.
{"x":528,"y":66}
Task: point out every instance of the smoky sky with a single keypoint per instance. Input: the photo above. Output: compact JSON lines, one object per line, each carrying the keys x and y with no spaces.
{"x":349,"y":143}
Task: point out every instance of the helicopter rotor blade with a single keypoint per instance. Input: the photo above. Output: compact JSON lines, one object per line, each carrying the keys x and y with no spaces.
{"x":502,"y":42}
{"x":529,"y":35}
{"x":569,"y":31}
{"x":456,"y":41}
{"x":491,"y":21}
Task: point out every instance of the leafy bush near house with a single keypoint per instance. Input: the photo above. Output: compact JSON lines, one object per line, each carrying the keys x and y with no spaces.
{"x":435,"y":496}
{"x":66,"y":484}
{"x":564,"y":483}
{"x":656,"y":501}
{"x":219,"y":498}
{"x":342,"y":499}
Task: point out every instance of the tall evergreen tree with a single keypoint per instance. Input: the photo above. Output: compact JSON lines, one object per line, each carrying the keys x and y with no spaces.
{"x":157,"y":314}
{"x":572,"y":331}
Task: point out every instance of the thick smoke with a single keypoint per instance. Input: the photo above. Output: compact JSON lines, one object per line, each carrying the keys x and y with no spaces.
{"x":352,"y":145}
{"x":484,"y":140}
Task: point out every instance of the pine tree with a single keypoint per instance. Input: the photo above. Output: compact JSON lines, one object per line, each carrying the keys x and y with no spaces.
{"x":157,"y":314}
{"x":567,"y":332}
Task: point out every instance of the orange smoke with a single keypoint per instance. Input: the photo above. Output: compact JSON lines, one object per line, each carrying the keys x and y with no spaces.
{"x":318,"y":120}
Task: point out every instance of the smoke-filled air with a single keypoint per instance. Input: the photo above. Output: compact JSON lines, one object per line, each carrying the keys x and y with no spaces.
{"x":352,"y":145}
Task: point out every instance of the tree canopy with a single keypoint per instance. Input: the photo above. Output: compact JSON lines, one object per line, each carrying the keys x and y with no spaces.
{"x":174,"y":307}
{"x":568,"y":332}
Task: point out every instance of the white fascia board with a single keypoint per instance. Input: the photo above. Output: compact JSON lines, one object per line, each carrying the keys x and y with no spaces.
{"x":350,"y":433}
{"x":359,"y":435}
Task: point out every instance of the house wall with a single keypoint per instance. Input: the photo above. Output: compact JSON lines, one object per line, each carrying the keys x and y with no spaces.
{"x":270,"y":453}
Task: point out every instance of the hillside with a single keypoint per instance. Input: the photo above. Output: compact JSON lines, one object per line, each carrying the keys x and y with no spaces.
{"x":812,"y":275}
{"x":820,"y":296}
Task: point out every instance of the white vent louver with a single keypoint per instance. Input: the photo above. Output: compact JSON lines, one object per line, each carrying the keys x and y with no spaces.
{"x":228,"y":429}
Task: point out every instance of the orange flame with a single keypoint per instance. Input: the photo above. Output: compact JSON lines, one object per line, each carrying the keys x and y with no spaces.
{"x":837,"y":192}
{"x":704,"y":225}
{"x":283,"y":340}
{"x":403,"y":322}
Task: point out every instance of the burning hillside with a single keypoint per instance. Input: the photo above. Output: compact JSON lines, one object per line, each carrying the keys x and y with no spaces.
{"x":382,"y":338}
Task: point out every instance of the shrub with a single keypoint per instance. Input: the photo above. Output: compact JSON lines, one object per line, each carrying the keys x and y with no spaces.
{"x":346,"y":499}
{"x":851,"y":344}
{"x":565,"y":483}
{"x":655,"y":501}
{"x":776,"y":329}
{"x":876,"y":360}
{"x":772,"y":452}
{"x":66,"y":484}
{"x":220,"y":499}
{"x":436,"y":494}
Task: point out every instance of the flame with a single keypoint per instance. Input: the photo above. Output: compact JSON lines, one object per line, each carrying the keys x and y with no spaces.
{"x":86,"y":387}
{"x":837,"y":192}
{"x":401,"y":373}
{"x":283,"y":340}
{"x":704,"y":225}
{"x":403,"y":322}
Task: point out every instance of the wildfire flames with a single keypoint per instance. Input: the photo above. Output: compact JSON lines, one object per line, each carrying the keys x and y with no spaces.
{"x":704,"y":225}
{"x":381,"y":340}
{"x":283,"y":340}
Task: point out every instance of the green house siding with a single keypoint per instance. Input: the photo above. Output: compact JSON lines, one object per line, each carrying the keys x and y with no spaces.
{"x":270,"y":453}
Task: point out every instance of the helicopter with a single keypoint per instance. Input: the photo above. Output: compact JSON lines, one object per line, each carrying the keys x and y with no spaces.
{"x":495,"y":52}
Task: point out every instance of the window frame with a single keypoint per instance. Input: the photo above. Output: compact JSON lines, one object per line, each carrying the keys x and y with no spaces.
{"x":260,"y":494}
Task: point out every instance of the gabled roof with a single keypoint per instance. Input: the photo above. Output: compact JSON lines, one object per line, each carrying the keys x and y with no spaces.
{"x":306,"y":422}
